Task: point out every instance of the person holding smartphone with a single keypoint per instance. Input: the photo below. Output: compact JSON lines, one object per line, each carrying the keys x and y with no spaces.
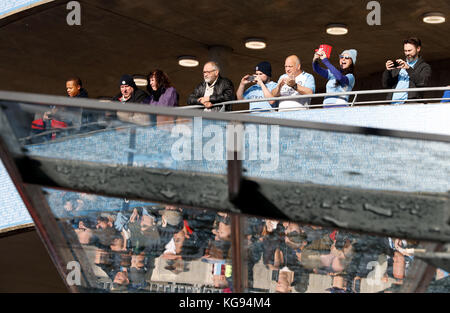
{"x":413,"y":72}
{"x":261,"y":87}
{"x":295,"y":82}
{"x":339,"y":80}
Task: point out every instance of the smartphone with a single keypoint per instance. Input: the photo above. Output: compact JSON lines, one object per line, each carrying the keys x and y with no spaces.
{"x":396,"y":64}
{"x":251,"y":78}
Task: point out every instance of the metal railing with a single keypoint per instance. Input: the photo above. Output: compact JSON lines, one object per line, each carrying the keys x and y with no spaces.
{"x":325,"y":95}
{"x":25,"y":99}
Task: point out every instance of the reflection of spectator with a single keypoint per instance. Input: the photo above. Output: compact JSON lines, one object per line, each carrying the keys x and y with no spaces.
{"x":171,"y":217}
{"x":400,"y":258}
{"x":284,"y":278}
{"x":137,"y":271}
{"x":84,"y":234}
{"x":120,"y":281}
{"x":71,"y":203}
{"x":47,"y":123}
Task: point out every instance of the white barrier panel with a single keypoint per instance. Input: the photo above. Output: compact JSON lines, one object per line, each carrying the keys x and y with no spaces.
{"x":13,"y":213}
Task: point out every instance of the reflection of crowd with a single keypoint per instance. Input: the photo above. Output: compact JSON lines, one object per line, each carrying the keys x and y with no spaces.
{"x":128,"y":241}
{"x":293,"y":252}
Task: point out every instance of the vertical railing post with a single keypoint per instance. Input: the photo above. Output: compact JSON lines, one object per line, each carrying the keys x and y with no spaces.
{"x":234,"y":143}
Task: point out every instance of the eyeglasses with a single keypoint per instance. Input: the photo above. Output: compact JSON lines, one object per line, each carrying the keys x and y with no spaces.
{"x":207,"y":72}
{"x":345,"y":57}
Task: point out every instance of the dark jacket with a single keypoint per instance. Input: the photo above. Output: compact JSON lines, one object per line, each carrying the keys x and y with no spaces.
{"x":419,"y":76}
{"x":223,"y":91}
{"x":89,"y":118}
{"x":83,"y":93}
{"x":138,"y":96}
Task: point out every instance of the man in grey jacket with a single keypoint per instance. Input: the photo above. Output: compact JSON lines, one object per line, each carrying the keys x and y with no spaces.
{"x":413,"y":72}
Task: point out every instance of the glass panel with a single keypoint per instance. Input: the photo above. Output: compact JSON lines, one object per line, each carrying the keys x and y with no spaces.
{"x":13,"y":213}
{"x":345,"y":160}
{"x":120,"y":138}
{"x":290,"y":257}
{"x":145,"y":247}
{"x":423,"y":118}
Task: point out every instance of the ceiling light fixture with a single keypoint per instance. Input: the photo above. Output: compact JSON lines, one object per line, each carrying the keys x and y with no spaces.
{"x":255,"y":43}
{"x":434,"y":18}
{"x":337,"y":29}
{"x":140,"y":80}
{"x":188,"y":61}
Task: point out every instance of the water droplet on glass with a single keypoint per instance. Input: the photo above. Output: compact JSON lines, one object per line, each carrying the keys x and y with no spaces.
{"x":377,"y":210}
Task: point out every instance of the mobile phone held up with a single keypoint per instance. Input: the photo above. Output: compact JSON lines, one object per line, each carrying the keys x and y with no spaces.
{"x":251,"y":78}
{"x":396,"y":64}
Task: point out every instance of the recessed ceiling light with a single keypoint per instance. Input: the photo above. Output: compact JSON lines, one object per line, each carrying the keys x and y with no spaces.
{"x":255,"y":43}
{"x":337,"y":29}
{"x":434,"y":18}
{"x":188,"y":61}
{"x":140,"y":80}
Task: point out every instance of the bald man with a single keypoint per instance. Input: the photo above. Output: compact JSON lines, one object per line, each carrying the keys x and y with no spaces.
{"x":294,"y":83}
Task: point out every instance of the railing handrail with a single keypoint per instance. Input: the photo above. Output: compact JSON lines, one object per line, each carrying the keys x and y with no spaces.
{"x":376,"y":102}
{"x":333,"y":94}
{"x":46,"y":100}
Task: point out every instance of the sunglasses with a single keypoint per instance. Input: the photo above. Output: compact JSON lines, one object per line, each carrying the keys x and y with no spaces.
{"x":345,"y":57}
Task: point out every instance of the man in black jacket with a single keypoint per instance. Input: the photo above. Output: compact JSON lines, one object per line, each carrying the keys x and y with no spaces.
{"x":410,"y":73}
{"x":89,"y":118}
{"x":129,"y":92}
{"x":214,"y":89}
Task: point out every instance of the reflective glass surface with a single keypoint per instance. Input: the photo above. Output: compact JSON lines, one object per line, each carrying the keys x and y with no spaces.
{"x":346,"y":160}
{"x":289,"y":257}
{"x":121,"y":138}
{"x":13,"y":213}
{"x":143,"y":247}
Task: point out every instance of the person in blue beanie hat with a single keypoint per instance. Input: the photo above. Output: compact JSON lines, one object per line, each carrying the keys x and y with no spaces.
{"x":339,"y":80}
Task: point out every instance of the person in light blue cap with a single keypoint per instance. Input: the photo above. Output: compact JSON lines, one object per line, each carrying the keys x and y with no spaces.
{"x":339,"y":80}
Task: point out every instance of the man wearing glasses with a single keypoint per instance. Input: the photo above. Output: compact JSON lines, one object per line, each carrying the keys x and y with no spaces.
{"x":214,"y":89}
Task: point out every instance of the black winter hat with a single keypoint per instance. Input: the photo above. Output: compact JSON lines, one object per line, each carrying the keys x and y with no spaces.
{"x":127,"y":80}
{"x":265,"y":67}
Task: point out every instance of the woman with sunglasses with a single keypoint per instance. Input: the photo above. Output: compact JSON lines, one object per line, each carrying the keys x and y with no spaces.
{"x":339,"y":80}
